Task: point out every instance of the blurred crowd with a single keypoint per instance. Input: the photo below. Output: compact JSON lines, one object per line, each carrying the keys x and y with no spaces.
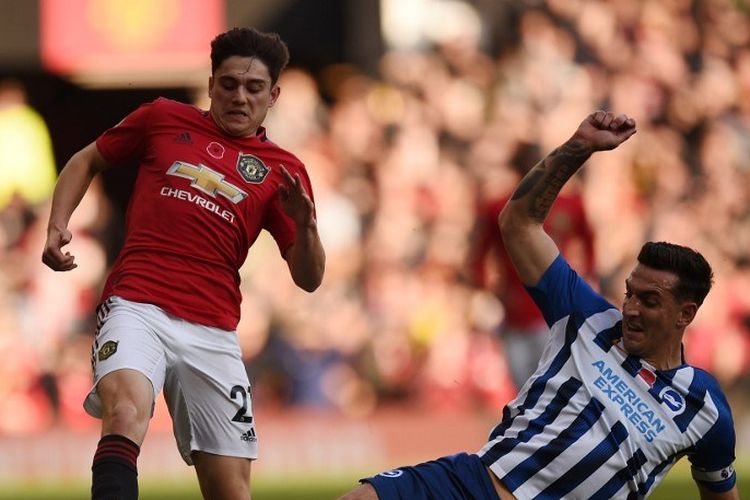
{"x":401,"y":162}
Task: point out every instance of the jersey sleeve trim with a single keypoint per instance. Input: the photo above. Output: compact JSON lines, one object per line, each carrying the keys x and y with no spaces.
{"x":714,"y":476}
{"x":717,"y":481}
{"x":713,"y":456}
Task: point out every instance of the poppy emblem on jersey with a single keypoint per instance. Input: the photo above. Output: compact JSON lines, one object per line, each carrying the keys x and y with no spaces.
{"x":252,"y":169}
{"x":107,"y":350}
{"x":392,"y":473}
{"x":647,"y":376}
{"x":216,"y":150}
{"x":672,"y":400}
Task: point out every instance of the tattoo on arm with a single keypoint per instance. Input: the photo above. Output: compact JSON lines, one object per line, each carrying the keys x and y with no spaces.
{"x":544,"y":182}
{"x":529,"y":181}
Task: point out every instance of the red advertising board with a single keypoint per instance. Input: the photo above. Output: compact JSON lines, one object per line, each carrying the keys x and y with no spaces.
{"x":99,"y":36}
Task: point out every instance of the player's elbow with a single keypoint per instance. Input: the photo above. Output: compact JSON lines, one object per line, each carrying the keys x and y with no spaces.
{"x":309,"y":277}
{"x":504,"y":222}
{"x":309,"y":284}
{"x":306,"y":265}
{"x":309,"y":288}
{"x":512,"y":223}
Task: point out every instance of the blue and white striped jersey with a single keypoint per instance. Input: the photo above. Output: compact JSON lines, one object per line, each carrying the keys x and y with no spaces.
{"x":595,"y":422}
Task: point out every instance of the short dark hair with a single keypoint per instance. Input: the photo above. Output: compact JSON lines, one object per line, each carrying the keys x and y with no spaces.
{"x":249,"y":42}
{"x":692,"y":269}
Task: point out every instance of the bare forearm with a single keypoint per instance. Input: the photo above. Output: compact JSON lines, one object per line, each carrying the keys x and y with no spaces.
{"x":306,"y":258}
{"x":521,"y":222}
{"x":539,"y":189}
{"x":527,"y":244}
{"x":72,"y":185}
{"x":69,"y":190}
{"x":600,"y":131}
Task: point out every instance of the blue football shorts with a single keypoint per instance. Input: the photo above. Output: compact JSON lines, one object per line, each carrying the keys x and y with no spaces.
{"x":455,"y":477}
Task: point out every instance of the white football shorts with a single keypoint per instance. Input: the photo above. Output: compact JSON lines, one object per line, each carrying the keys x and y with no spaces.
{"x":199,"y":367}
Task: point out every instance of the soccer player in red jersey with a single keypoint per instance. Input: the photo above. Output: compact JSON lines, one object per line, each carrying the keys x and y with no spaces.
{"x":208,"y":183}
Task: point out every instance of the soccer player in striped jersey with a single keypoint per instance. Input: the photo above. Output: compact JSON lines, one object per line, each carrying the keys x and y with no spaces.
{"x":613,"y":404}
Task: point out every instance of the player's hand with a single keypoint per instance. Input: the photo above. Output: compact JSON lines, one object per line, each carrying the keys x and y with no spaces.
{"x":53,"y":256}
{"x":602,"y":131}
{"x":294,"y":200}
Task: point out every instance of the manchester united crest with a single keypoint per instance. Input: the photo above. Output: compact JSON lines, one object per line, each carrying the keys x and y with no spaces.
{"x":252,"y":169}
{"x":107,"y":350}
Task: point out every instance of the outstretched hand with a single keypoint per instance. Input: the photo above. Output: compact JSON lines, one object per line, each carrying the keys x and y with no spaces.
{"x":53,"y":256}
{"x":602,"y":131}
{"x":294,"y":200}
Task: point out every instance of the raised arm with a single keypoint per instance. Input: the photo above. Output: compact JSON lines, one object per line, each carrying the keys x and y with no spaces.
{"x":530,"y":248}
{"x":306,"y":258}
{"x":72,"y":184}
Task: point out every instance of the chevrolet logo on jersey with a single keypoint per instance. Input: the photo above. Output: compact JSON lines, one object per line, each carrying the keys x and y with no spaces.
{"x":206,"y":180}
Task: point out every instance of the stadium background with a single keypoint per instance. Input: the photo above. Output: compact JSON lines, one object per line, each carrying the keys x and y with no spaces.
{"x":406,"y":113}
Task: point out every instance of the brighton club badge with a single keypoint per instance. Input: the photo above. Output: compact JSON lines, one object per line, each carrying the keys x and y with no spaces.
{"x":252,"y":169}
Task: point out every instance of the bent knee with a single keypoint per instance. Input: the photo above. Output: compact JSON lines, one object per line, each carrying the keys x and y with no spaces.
{"x":123,"y":413}
{"x":127,"y":403}
{"x":125,"y":419}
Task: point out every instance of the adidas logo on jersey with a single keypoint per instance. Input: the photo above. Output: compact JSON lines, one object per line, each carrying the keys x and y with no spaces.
{"x":249,"y":436}
{"x":183,"y":138}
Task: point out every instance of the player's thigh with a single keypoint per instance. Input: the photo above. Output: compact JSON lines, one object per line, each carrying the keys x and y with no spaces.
{"x":461,"y":475}
{"x":128,"y":359}
{"x":209,"y":395}
{"x":222,"y":477}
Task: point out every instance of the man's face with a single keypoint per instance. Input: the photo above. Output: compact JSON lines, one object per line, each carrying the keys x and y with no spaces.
{"x":241,"y":94}
{"x":653,"y":319}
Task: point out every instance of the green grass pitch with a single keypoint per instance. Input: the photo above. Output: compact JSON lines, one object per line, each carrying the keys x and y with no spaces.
{"x":677,"y":485}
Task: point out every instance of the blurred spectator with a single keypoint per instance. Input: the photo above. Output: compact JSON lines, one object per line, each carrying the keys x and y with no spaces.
{"x":523,"y":331}
{"x":409,"y":156}
{"x":403,"y":159}
{"x":27,"y":165}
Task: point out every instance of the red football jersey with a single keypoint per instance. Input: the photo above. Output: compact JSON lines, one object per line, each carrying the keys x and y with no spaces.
{"x":200,"y":200}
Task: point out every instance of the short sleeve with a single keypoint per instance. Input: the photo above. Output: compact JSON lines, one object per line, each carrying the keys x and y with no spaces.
{"x":126,"y":142}
{"x":712,"y":461}
{"x":561,"y":292}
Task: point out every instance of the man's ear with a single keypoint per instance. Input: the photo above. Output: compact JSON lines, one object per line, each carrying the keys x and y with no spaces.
{"x":210,"y":85}
{"x":688,"y":311}
{"x":275,"y":91}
